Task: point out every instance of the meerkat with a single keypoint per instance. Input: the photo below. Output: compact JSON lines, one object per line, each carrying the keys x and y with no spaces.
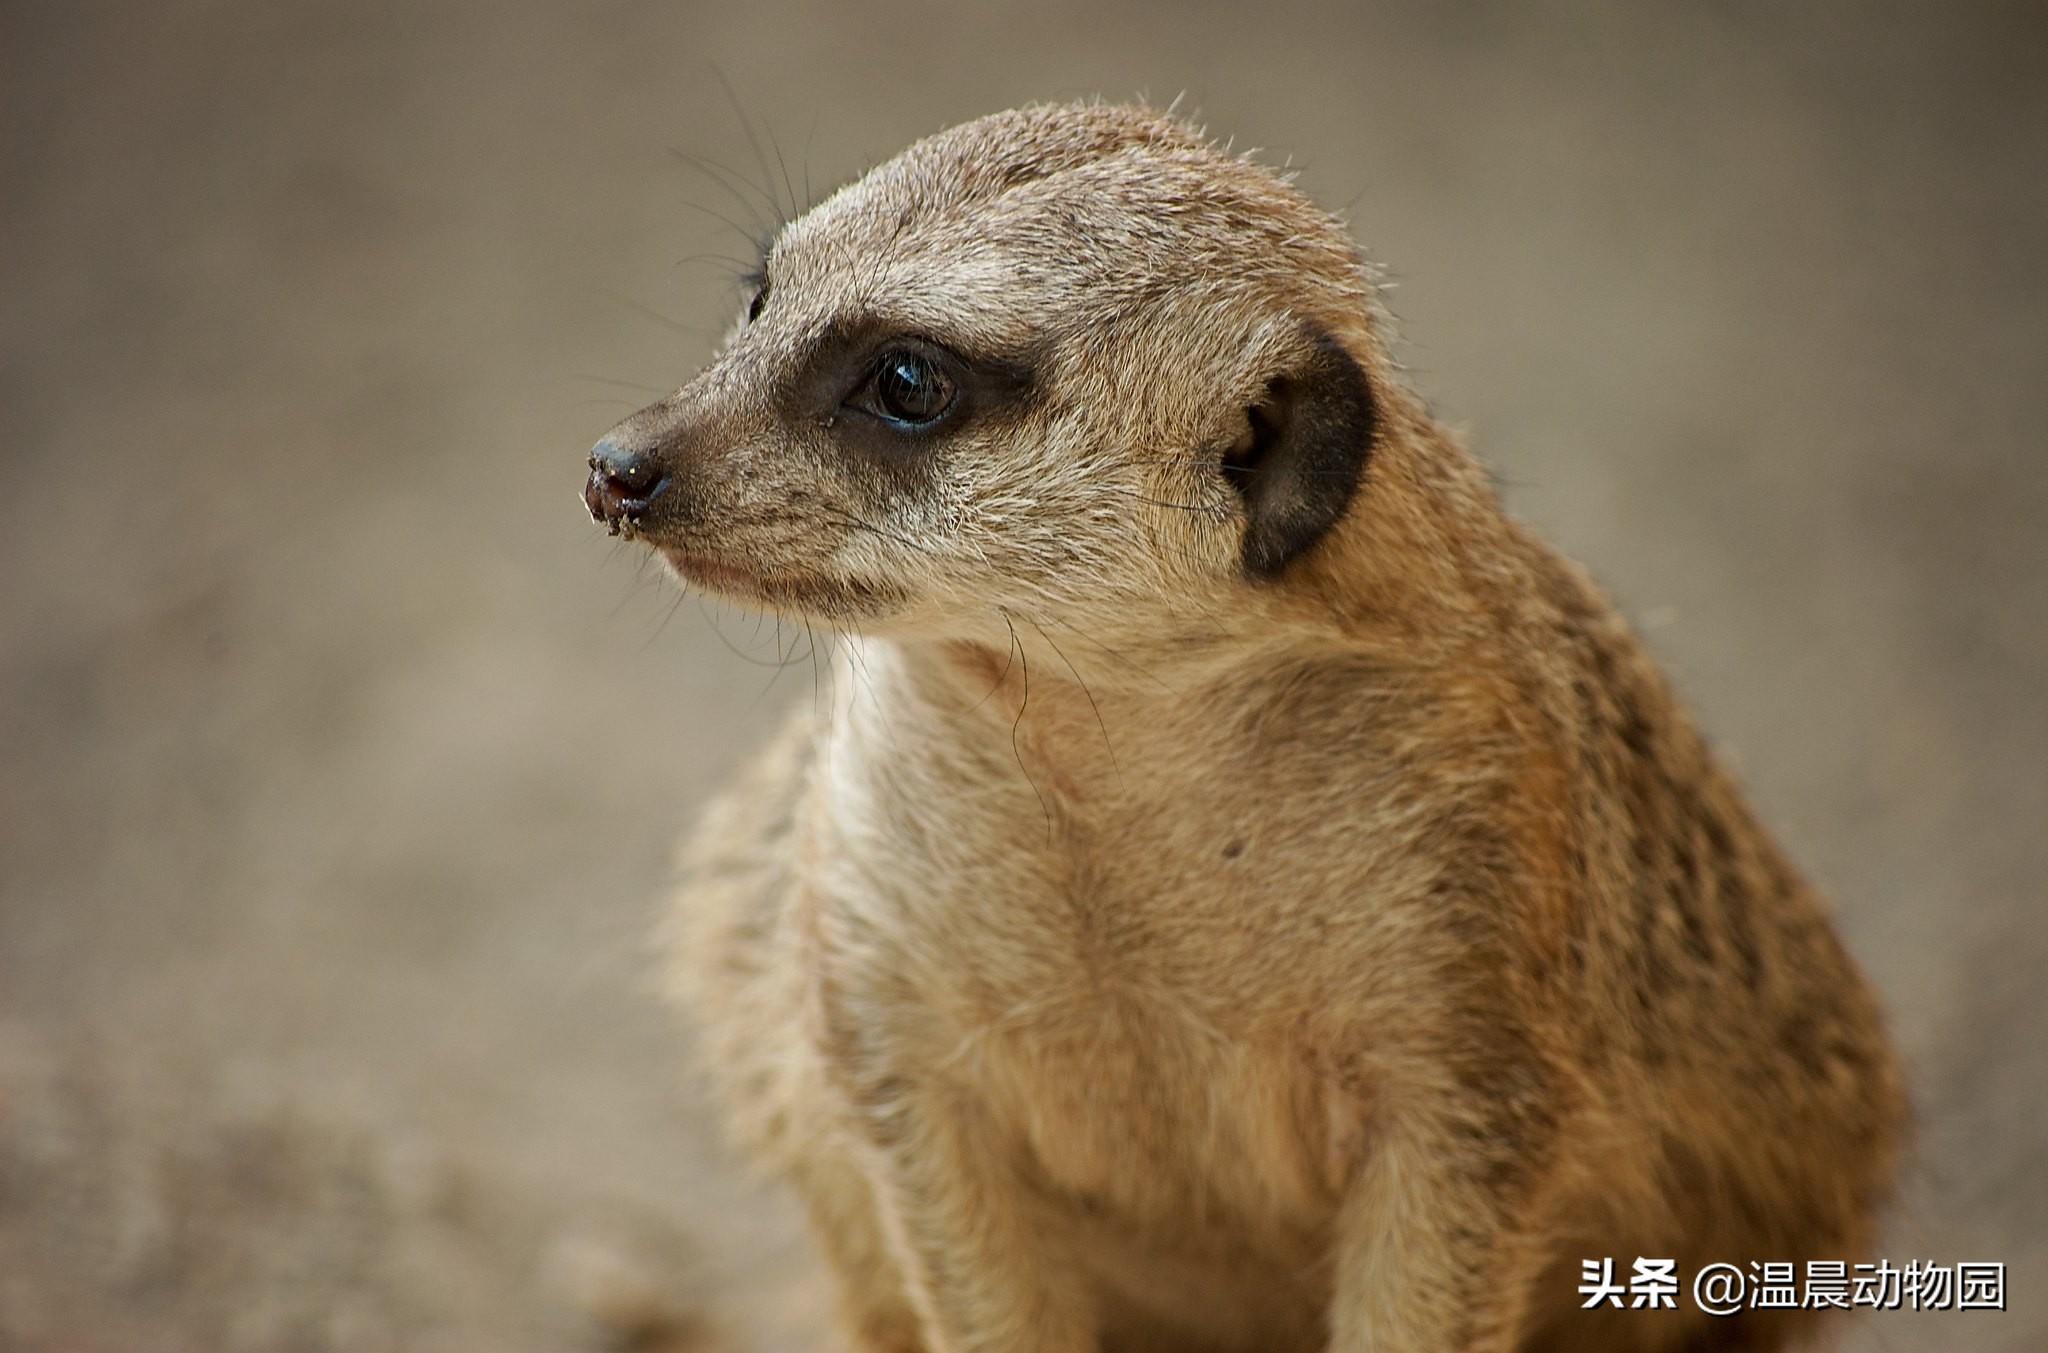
{"x":1245,"y":893}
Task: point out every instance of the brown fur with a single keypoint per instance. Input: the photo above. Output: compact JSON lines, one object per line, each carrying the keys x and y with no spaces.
{"x":1139,"y":953}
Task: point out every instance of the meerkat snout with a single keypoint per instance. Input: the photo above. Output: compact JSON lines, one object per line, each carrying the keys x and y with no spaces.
{"x":624,"y":482}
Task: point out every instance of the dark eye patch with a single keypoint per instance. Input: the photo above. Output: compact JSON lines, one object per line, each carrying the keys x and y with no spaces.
{"x":891,"y":391}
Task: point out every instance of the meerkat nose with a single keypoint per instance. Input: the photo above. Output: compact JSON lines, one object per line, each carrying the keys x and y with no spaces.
{"x":623,"y":481}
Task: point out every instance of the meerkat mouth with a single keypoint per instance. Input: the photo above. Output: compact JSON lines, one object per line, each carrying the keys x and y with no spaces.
{"x":718,"y":575}
{"x":825,"y":599}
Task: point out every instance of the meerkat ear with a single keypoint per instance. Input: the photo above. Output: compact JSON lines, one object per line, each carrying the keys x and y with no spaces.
{"x":1300,"y":461}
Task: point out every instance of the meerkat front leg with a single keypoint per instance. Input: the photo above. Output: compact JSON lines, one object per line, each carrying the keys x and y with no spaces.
{"x":971,"y":1237}
{"x":875,"y":1312}
{"x":1440,"y":1237}
{"x":1427,"y":1262}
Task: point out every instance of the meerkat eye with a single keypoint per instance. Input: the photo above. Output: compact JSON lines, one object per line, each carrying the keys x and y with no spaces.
{"x":758,"y":304}
{"x":907,"y":387}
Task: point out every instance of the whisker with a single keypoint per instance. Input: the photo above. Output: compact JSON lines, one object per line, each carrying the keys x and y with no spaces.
{"x":740,"y":267}
{"x":1003,"y":675}
{"x":730,"y":646}
{"x":751,"y":236}
{"x":1095,"y":708}
{"x":653,"y":314}
{"x":783,"y":165}
{"x":747,"y":126}
{"x":1017,"y":724}
{"x":809,"y":199}
{"x":725,"y":178}
{"x":668,"y":616}
{"x":1111,"y":653}
{"x":623,"y":385}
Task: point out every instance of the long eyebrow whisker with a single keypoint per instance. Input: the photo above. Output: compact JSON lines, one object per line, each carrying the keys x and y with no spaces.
{"x":720,"y":174}
{"x":694,"y":331}
{"x":747,"y":126}
{"x":753,"y":236}
{"x":783,"y":165}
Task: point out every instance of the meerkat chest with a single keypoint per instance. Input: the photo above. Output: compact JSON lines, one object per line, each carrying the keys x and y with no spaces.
{"x":1100,"y":976}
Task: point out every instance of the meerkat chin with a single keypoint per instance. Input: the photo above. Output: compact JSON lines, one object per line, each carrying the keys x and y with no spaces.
{"x":1261,"y":898}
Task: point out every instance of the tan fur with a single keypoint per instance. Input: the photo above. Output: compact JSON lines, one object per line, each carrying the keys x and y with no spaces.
{"x":1129,"y":953}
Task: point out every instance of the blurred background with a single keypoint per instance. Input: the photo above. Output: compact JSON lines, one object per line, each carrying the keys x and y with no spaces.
{"x":341,"y":756}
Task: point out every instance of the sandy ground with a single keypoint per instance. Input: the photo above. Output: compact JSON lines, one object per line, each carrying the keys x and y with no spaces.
{"x":340,"y":758}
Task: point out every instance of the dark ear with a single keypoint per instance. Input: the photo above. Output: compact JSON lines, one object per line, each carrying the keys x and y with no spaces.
{"x":1301,"y":462}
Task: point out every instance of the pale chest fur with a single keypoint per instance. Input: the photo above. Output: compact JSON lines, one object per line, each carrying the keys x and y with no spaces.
{"x":1090,"y":940}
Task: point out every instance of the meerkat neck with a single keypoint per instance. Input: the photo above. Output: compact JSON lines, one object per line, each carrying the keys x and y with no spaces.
{"x":1405,"y":591}
{"x":1089,"y":719}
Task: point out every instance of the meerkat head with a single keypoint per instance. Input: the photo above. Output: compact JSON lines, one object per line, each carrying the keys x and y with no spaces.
{"x":1058,"y":362}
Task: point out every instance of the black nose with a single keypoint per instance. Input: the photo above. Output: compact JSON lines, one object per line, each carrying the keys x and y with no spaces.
{"x":623,"y":481}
